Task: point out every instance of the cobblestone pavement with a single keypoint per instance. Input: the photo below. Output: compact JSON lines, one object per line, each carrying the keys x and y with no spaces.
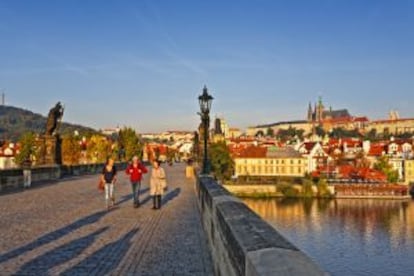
{"x":64,"y":229}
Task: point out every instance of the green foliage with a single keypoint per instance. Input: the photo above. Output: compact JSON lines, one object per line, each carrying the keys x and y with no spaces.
{"x":221,"y":162}
{"x":270,"y":132}
{"x":130,"y":143}
{"x":71,"y":150}
{"x":344,"y":133}
{"x":27,"y":148}
{"x":384,"y":166}
{"x":289,"y":134}
{"x":323,"y":190}
{"x":307,"y":190}
{"x":98,"y":149}
{"x":287,"y":190}
{"x":260,"y":133}
{"x":371,"y":135}
{"x":320,"y":131}
{"x":15,"y":122}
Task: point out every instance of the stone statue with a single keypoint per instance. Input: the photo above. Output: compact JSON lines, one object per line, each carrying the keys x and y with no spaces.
{"x":54,"y":119}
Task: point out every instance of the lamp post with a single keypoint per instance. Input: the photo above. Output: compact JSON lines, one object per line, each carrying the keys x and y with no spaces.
{"x":205,"y":105}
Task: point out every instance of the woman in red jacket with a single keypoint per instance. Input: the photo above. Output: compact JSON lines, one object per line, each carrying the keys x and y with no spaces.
{"x":135,"y":171}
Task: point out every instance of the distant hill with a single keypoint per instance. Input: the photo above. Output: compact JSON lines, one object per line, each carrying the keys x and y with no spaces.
{"x":16,"y":121}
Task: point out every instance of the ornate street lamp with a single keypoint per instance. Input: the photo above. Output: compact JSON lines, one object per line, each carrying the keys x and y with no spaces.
{"x":205,"y":105}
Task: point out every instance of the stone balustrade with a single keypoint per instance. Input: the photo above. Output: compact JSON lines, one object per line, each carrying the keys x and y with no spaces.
{"x":241,"y":242}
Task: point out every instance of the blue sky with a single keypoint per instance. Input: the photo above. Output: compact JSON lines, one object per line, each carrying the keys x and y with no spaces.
{"x":143,"y":63}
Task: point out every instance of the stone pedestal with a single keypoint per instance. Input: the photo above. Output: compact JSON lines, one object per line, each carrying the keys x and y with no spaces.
{"x":50,"y":150}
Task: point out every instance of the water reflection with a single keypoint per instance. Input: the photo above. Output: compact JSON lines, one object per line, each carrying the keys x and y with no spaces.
{"x":347,"y":236}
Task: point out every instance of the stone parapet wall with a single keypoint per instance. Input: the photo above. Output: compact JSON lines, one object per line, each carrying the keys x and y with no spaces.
{"x":13,"y":178}
{"x":241,"y":242}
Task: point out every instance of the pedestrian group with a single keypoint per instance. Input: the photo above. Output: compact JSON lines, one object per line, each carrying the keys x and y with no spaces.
{"x":135,"y":170}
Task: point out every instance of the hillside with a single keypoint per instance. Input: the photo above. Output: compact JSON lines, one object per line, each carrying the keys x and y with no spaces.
{"x":16,"y":121}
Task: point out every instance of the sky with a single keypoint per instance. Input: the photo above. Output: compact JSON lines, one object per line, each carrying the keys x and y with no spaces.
{"x":144,"y":63}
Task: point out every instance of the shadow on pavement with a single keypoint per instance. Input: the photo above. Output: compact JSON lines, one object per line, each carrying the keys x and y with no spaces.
{"x":171,"y":195}
{"x":52,"y":236}
{"x":106,"y":259}
{"x":129,"y":197}
{"x":42,"y":264}
{"x":145,"y":200}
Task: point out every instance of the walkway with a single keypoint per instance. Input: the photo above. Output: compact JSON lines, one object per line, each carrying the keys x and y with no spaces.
{"x":64,"y":229}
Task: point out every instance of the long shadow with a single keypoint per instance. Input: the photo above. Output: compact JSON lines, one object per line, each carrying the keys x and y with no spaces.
{"x":143,"y":191}
{"x":145,"y":200}
{"x":170,"y":196}
{"x":52,"y":236}
{"x":42,"y":264}
{"x":129,"y":197}
{"x":105,"y":260}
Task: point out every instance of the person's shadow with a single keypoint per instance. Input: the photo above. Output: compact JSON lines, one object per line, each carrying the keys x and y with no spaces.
{"x":170,"y":196}
{"x":42,"y":264}
{"x":52,"y":236}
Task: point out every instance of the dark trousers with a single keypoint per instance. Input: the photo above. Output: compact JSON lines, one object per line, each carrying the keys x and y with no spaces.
{"x":136,"y":186}
{"x":156,"y":199}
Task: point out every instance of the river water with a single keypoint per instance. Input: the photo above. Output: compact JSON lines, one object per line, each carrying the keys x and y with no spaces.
{"x":347,"y":236}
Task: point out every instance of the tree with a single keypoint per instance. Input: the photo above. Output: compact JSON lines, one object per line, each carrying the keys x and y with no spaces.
{"x":130,"y":143}
{"x":98,"y":149}
{"x":221,"y":162}
{"x":289,"y":134}
{"x":259,"y":133}
{"x":320,"y":131}
{"x":384,"y":166}
{"x":371,"y":135}
{"x":307,"y":188}
{"x":340,"y":132}
{"x":71,"y":150}
{"x":270,"y":132}
{"x":323,"y":190}
{"x":27,"y":148}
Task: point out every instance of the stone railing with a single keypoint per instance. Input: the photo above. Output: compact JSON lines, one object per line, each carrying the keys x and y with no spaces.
{"x":13,"y":178}
{"x":241,"y":242}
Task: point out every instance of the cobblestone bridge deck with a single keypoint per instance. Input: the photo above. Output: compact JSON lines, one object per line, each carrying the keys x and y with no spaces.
{"x":64,"y":228}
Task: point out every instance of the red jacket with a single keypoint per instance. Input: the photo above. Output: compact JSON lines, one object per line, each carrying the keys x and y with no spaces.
{"x":135,"y":173}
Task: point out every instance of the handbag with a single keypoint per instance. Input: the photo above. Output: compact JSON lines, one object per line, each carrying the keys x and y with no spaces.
{"x":101,"y":185}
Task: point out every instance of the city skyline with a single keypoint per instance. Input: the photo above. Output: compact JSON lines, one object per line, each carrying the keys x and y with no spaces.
{"x":262,"y":61}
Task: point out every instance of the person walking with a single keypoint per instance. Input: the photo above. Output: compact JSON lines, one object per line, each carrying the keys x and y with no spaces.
{"x":27,"y":173}
{"x":157,"y":184}
{"x":135,"y":170}
{"x":109,"y":178}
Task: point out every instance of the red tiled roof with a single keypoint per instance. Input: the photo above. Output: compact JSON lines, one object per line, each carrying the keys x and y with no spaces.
{"x":377,"y":149}
{"x":253,"y":152}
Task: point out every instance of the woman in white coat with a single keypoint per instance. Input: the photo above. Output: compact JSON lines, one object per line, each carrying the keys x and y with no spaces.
{"x":157,"y":184}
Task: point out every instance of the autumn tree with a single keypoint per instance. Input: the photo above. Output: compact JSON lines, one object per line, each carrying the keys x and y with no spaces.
{"x":71,"y":150}
{"x":27,"y":148}
{"x":384,"y":166}
{"x":98,"y":149}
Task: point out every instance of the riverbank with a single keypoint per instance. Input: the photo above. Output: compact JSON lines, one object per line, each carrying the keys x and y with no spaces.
{"x":298,"y":191}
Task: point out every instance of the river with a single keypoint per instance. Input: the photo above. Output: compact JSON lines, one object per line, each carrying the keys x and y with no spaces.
{"x":347,"y":236}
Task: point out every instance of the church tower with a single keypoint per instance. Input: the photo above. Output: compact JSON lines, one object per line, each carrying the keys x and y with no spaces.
{"x":319,"y":110}
{"x":310,"y":113}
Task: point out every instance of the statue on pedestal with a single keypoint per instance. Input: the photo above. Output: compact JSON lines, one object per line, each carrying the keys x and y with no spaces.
{"x":54,"y":119}
{"x":50,"y":142}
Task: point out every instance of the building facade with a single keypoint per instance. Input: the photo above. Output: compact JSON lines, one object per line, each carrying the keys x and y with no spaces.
{"x":257,"y":161}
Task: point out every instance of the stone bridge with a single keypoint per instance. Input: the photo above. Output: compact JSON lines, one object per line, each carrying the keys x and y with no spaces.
{"x":62,"y":228}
